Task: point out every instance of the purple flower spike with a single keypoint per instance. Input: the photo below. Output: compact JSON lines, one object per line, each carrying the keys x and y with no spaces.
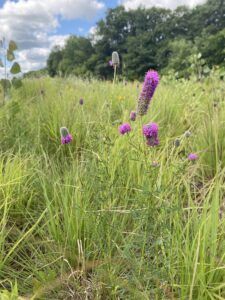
{"x":124,"y":128}
{"x":150,"y":131}
{"x":133,"y":116}
{"x":192,"y":156}
{"x":81,"y":102}
{"x":66,"y":137}
{"x":150,"y":84}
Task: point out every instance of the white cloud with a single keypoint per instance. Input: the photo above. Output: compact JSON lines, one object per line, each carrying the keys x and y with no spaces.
{"x":73,"y":9}
{"x":33,"y":24}
{"x":133,"y":4}
{"x":35,"y":58}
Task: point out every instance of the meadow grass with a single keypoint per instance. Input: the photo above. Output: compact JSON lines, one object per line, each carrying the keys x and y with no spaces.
{"x":99,"y":218}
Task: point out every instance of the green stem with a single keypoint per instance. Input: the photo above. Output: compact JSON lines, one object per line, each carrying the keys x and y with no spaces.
{"x":114,"y":80}
{"x":4,"y":85}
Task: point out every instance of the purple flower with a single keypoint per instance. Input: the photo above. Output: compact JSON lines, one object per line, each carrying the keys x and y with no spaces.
{"x":150,"y":83}
{"x":66,"y":137}
{"x":133,"y":116}
{"x":110,"y":63}
{"x":124,"y":128}
{"x":150,"y":131}
{"x":81,"y":102}
{"x":192,"y":156}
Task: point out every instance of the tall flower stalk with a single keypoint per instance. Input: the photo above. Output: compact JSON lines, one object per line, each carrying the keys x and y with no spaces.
{"x":150,"y":84}
{"x":115,"y":64}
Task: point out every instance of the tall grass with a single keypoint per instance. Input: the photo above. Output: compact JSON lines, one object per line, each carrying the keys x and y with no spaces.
{"x":97,"y":219}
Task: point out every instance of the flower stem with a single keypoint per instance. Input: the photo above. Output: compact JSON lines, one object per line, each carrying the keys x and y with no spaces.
{"x":114,"y":79}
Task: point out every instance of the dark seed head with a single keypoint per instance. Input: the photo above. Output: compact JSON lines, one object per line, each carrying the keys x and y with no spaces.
{"x":177,"y":143}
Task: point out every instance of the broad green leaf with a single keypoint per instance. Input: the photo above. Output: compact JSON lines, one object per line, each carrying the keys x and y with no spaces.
{"x":15,"y":68}
{"x":12,"y":46}
{"x":10,"y":55}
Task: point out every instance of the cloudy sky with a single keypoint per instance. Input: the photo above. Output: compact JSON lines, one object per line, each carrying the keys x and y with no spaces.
{"x":38,"y":25}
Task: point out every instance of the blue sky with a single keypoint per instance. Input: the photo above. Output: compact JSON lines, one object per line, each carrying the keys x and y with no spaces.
{"x":38,"y":25}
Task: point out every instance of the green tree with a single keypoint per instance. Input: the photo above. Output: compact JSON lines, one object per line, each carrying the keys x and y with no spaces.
{"x":54,"y":60}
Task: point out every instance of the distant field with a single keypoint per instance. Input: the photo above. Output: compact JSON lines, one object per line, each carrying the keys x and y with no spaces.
{"x":106,"y":216}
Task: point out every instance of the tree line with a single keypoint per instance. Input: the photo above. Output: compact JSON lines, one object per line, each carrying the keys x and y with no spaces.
{"x":162,"y":39}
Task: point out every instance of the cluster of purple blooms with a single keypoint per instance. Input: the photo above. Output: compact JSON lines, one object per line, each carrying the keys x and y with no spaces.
{"x":150,"y":131}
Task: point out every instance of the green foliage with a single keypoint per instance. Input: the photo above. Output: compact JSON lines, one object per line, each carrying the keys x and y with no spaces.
{"x":72,"y":59}
{"x":13,"y":295}
{"x":36,"y":74}
{"x":106,"y":217}
{"x":15,"y":69}
{"x":16,"y":82}
{"x":53,"y":61}
{"x":180,"y":50}
{"x":8,"y":56}
{"x":146,"y":38}
{"x":212,"y":48}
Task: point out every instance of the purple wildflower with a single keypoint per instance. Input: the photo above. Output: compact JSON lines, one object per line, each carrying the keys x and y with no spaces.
{"x":192,"y":156}
{"x":124,"y":128}
{"x":81,"y":102}
{"x":66,"y":137}
{"x":133,"y":116}
{"x":110,"y":63}
{"x":150,"y":83}
{"x":150,"y":131}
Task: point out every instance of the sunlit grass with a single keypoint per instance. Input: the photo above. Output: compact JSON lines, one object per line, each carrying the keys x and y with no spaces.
{"x":106,"y":217}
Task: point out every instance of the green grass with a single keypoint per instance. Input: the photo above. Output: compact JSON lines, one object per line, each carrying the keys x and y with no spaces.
{"x":95,"y":219}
